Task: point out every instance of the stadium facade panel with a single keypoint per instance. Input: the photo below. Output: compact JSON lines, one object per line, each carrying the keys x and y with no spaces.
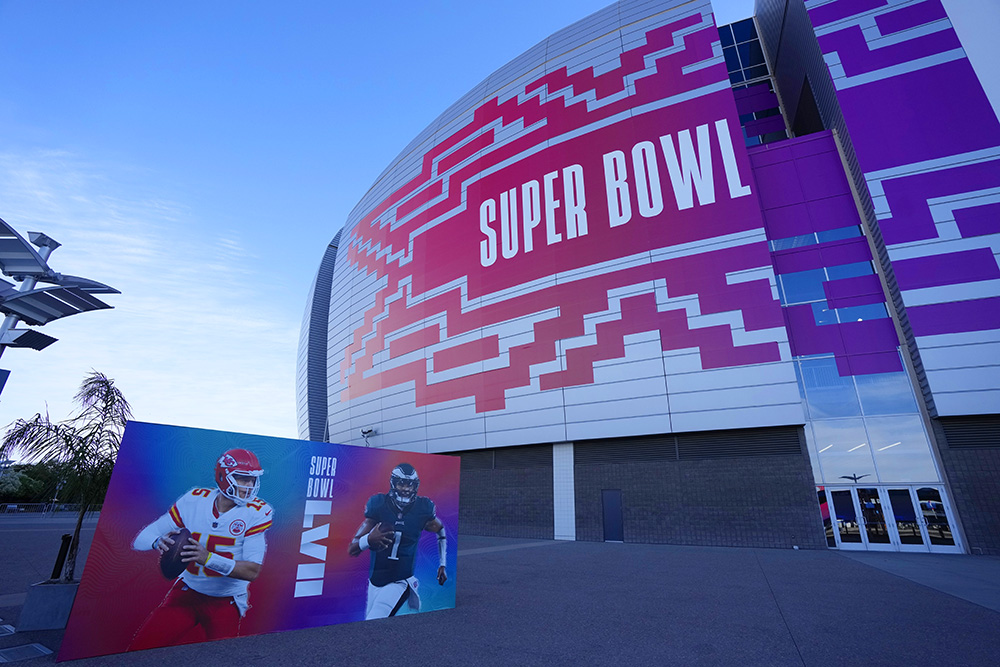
{"x":658,"y":281}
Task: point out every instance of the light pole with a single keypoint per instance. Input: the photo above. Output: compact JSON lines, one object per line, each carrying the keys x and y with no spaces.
{"x":61,"y":296}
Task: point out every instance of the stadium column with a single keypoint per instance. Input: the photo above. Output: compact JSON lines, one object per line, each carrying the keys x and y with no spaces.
{"x":563,"y":492}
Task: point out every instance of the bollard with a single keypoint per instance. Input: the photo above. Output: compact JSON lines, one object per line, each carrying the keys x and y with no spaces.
{"x":61,"y":558}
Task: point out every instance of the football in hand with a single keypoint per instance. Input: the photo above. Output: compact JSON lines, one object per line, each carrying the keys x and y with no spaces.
{"x":171,"y":564}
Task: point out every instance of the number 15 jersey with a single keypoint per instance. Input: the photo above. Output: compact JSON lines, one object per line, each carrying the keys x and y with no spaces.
{"x":236,"y":534}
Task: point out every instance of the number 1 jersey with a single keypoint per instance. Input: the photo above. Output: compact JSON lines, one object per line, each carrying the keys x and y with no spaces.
{"x":395,"y":563}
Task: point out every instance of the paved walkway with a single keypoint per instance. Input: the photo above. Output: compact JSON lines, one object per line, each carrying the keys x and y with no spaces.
{"x":534,"y":602}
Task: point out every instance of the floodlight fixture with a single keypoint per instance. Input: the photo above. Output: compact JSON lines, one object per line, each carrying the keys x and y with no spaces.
{"x":61,"y":296}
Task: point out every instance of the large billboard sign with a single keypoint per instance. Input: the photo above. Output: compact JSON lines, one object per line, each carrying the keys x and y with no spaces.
{"x":591,"y":222}
{"x":209,"y":535}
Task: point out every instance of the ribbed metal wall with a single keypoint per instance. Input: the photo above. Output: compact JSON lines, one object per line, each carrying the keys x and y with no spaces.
{"x":312,"y":378}
{"x":972,"y":432}
{"x":780,"y":441}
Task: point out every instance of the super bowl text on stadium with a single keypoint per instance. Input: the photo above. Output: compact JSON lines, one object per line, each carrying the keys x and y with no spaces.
{"x":691,"y":177}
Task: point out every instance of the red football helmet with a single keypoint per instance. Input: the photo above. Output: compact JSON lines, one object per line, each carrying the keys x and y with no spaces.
{"x":237,"y":472}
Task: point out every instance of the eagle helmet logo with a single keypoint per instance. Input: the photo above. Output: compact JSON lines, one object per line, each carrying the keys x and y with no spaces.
{"x":403,"y":484}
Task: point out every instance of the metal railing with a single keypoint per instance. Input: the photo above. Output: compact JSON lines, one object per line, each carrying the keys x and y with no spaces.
{"x":44,"y":509}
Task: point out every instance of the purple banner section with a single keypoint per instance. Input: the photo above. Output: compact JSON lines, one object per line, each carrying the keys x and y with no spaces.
{"x":907,"y":198}
{"x":858,"y":291}
{"x":755,"y":98}
{"x":821,"y":255}
{"x":835,"y":11}
{"x":918,"y":128}
{"x":912,"y":16}
{"x":942,"y":318}
{"x":803,"y":189}
{"x":819,"y":216}
{"x":856,"y":58}
{"x":922,"y":129}
{"x":765,"y":125}
{"x":947,"y":269}
{"x":978,"y":221}
{"x":861,"y":348}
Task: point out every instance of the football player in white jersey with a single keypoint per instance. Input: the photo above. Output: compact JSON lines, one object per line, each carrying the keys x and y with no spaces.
{"x":224,"y":554}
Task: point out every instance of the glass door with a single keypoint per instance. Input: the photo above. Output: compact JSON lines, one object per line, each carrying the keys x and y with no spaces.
{"x":908,"y":525}
{"x":936,"y":520}
{"x":911,"y":518}
{"x":873,"y":520}
{"x":848,"y":527}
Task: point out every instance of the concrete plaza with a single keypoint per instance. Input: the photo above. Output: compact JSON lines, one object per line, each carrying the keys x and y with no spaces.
{"x":535,"y":602}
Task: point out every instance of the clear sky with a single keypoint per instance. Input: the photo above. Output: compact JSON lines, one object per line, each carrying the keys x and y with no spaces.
{"x":199,"y":156}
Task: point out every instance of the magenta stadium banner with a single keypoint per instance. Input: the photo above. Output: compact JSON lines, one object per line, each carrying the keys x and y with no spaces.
{"x":654,"y":163}
{"x":274,"y":527}
{"x":589,"y":224}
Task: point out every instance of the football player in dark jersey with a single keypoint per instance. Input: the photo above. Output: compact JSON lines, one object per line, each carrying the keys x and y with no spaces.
{"x":391,"y":530}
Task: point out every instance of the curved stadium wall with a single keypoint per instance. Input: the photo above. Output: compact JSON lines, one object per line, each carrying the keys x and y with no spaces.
{"x":581,"y":281}
{"x":485,"y":296}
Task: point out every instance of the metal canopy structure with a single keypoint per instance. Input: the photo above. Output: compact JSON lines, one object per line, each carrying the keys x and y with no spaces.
{"x":17,"y":257}
{"x":64,"y":295}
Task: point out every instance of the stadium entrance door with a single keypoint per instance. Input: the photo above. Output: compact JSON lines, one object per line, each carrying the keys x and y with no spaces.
{"x":892,"y":518}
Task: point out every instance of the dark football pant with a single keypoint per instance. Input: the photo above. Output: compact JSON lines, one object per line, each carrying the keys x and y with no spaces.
{"x":181,"y":611}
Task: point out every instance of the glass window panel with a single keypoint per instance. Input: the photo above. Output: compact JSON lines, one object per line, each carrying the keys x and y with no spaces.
{"x":885,"y":393}
{"x":869,"y":311}
{"x":906,"y":516}
{"x":841,"y":233}
{"x":823,"y":314}
{"x":803,"y":286}
{"x":744,"y":51}
{"x":901,"y":449}
{"x":726,"y":35}
{"x":850,"y":270}
{"x":828,"y":394}
{"x":767,"y":113}
{"x":844,"y":455}
{"x":735,"y":77}
{"x":744,"y":30}
{"x":932,"y":510}
{"x":824,"y":511}
{"x":793,"y":242}
{"x":732,"y":62}
{"x":752,"y":141}
{"x":756,"y":72}
{"x":756,"y":55}
{"x":847,"y":518}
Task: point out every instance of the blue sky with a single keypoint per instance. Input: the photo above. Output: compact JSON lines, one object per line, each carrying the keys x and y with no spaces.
{"x":200,"y":156}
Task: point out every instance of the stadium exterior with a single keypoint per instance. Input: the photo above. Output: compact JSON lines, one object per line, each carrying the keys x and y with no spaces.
{"x":634,"y":321}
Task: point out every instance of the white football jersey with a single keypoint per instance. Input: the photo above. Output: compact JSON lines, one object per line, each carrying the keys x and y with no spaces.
{"x":237,"y":534}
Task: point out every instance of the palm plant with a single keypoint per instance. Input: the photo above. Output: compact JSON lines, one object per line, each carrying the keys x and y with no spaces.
{"x":84,"y":447}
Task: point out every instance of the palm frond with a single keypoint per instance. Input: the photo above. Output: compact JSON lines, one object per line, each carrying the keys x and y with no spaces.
{"x":82,"y":449}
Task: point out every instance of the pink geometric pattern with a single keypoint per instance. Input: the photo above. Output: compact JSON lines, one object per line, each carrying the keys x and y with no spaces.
{"x":423,"y":241}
